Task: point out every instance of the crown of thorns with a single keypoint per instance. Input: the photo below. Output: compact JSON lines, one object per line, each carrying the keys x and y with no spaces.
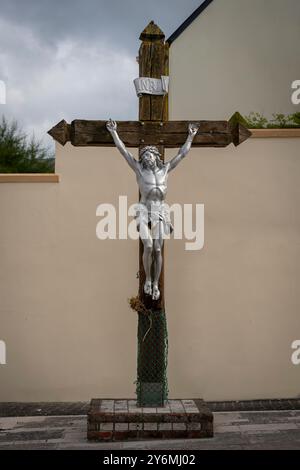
{"x":149,"y":148}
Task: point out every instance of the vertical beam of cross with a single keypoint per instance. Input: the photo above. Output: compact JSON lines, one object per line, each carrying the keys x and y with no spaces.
{"x":153,"y":62}
{"x":152,"y":388}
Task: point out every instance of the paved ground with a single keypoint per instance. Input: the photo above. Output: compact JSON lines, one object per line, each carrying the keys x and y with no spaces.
{"x":233,"y":430}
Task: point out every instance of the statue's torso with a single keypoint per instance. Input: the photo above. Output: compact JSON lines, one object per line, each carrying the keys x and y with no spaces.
{"x":152,"y":184}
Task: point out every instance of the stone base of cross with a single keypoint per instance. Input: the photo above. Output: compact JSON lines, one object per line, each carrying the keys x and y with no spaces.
{"x":118,"y":420}
{"x":154,"y":129}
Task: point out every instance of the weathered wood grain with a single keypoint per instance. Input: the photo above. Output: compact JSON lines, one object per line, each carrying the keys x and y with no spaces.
{"x":171,"y":134}
{"x":61,"y":132}
{"x":145,"y":53}
{"x":238,"y":131}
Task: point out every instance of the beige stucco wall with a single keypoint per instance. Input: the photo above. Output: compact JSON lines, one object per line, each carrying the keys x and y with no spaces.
{"x":233,"y":307}
{"x":237,"y":55}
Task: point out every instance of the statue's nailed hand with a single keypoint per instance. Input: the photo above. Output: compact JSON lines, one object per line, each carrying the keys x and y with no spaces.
{"x":111,"y":125}
{"x":193,"y":129}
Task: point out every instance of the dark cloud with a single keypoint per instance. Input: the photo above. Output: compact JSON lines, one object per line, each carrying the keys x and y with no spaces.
{"x":113,"y":20}
{"x":76,"y":59}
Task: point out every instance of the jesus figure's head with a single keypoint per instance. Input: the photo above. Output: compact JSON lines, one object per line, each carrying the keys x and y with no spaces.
{"x":150,"y":157}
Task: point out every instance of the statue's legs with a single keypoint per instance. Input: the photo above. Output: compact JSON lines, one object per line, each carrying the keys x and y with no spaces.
{"x":147,"y":255}
{"x":157,"y":257}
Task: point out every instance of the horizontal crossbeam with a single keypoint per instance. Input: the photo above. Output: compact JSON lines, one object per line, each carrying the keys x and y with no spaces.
{"x":136,"y":133}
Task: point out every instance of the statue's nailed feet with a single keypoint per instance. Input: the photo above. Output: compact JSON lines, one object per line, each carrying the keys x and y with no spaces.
{"x":148,"y":287}
{"x":155,"y":292}
{"x":152,"y":290}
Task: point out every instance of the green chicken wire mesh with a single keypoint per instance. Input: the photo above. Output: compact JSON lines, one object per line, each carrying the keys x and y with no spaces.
{"x":152,"y":384}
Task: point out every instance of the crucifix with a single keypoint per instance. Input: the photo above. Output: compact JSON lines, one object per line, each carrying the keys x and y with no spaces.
{"x":152,"y":214}
{"x":152,"y":133}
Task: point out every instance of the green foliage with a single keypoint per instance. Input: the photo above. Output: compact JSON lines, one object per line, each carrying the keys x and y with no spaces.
{"x":296,"y":119}
{"x":256,"y":121}
{"x":259,"y":121}
{"x":18,"y":154}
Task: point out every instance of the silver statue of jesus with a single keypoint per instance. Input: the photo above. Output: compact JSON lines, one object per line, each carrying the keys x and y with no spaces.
{"x":152,"y":214}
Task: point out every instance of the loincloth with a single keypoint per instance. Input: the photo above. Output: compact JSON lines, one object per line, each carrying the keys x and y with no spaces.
{"x":159,"y":212}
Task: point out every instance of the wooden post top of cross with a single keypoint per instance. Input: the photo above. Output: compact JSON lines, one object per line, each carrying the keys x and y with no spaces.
{"x":149,"y":131}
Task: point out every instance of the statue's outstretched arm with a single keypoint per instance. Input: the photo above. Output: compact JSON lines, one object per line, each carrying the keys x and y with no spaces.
{"x":112,"y":128}
{"x":193,"y":129}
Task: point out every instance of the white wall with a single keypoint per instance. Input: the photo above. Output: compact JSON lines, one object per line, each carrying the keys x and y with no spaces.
{"x":233,"y":307}
{"x":237,"y":55}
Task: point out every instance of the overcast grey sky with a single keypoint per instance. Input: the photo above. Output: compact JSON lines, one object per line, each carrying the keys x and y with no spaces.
{"x":76,"y":58}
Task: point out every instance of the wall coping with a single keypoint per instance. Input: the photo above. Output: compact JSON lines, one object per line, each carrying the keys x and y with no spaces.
{"x":267,"y":133}
{"x":29,"y":178}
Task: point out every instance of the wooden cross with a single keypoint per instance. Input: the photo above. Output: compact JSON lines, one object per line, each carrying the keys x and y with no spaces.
{"x":153,"y":128}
